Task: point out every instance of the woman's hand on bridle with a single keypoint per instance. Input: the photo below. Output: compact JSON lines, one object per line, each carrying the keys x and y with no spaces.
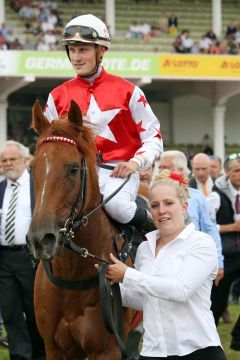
{"x":124,"y":169}
{"x":116,"y":271}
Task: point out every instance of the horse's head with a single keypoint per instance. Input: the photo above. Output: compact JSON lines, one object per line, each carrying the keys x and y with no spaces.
{"x":64,"y":176}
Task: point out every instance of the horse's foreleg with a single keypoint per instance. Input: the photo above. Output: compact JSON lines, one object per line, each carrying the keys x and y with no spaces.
{"x":54,"y":355}
{"x":114,"y":355}
{"x":111,"y":352}
{"x":60,"y":355}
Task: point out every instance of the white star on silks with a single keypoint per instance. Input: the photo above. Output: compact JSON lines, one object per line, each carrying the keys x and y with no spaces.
{"x":100,"y":120}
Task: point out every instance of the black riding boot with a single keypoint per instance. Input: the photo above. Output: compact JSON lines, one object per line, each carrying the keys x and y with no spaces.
{"x":133,"y":341}
{"x":142,"y":219}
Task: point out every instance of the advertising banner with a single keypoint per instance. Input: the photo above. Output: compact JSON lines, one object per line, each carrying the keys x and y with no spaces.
{"x":199,"y":66}
{"x":126,"y":64}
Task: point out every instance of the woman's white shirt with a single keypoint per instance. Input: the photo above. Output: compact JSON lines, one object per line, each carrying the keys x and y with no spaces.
{"x":173,"y":290}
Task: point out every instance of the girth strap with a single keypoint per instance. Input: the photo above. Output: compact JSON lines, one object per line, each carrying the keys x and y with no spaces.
{"x":78,"y":285}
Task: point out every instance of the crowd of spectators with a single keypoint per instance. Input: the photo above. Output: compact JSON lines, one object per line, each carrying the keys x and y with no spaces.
{"x":209,"y":43}
{"x":146,"y":31}
{"x":183,"y":43}
{"x":44,"y":26}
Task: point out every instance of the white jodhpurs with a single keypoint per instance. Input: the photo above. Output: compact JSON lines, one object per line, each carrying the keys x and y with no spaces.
{"x":122,"y":206}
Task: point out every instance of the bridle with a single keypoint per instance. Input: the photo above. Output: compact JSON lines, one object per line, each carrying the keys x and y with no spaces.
{"x":70,"y":224}
{"x":111,"y":310}
{"x":77,"y":217}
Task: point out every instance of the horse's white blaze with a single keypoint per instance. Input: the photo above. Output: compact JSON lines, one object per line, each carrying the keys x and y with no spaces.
{"x":47,"y":169}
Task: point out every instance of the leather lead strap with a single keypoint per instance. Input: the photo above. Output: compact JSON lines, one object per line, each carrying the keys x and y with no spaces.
{"x":112,"y":310}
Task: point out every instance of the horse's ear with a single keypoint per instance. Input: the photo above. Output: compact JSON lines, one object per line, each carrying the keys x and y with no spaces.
{"x":39,"y":120}
{"x":75,"y":114}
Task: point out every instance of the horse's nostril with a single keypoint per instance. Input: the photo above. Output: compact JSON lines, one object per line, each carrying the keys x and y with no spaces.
{"x":48,"y":239}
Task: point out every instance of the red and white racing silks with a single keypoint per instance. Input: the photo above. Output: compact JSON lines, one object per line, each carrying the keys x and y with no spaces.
{"x":122,"y":119}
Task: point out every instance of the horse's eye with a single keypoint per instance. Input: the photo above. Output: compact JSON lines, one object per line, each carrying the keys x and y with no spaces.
{"x":73,"y":170}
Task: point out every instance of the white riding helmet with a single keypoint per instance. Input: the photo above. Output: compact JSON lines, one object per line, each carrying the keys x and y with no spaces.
{"x":86,"y":29}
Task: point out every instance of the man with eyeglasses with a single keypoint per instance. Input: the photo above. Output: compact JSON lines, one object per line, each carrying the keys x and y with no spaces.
{"x":16,"y":268}
{"x":228,"y":218}
{"x":127,"y":133}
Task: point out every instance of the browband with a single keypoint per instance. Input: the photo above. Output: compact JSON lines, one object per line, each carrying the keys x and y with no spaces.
{"x":58,"y":138}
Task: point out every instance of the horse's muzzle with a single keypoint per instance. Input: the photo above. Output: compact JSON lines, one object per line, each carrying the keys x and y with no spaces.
{"x":43,"y":246}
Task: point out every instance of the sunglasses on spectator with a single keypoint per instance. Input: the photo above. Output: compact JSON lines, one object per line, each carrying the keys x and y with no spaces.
{"x":86,"y":33}
{"x":233,"y":156}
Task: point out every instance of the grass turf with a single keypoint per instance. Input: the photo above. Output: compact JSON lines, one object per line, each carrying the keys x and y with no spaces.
{"x":224,"y":331}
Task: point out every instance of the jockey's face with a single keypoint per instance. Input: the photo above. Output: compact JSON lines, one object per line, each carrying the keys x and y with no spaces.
{"x":83,"y":58}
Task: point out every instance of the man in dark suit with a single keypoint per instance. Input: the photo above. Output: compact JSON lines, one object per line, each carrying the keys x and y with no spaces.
{"x":201,"y":167}
{"x":228,"y":218}
{"x":16,"y":269}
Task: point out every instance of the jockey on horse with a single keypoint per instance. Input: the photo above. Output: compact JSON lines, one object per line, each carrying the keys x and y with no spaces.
{"x":127,"y":133}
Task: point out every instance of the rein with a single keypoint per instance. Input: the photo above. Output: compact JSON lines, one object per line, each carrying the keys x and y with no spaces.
{"x":110,"y":298}
{"x":110,"y":295}
{"x":71,"y":223}
{"x":84,"y":220}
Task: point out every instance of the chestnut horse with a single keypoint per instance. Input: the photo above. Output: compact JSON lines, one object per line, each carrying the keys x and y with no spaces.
{"x":68,"y":210}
